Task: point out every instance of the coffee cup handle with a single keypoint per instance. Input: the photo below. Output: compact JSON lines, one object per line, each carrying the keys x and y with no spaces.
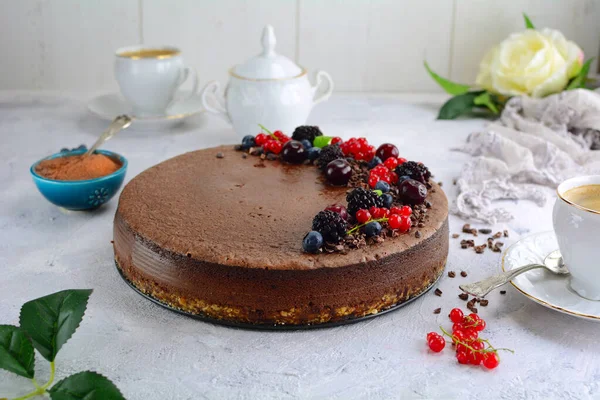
{"x":186,"y":72}
{"x":213,"y":88}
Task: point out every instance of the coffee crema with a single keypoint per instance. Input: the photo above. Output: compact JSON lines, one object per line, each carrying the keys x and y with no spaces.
{"x":149,"y":53}
{"x":587,"y":196}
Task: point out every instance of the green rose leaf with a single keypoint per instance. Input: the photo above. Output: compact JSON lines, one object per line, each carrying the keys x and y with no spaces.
{"x":485,"y":99}
{"x":16,"y":351}
{"x":86,"y":385}
{"x":458,"y":105}
{"x":528,"y":23}
{"x":51,"y":320}
{"x":579,"y":80}
{"x":449,"y":86}
{"x":322,"y":141}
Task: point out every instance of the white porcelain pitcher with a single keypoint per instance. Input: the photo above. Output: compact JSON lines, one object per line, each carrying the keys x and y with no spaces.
{"x":269,"y":89}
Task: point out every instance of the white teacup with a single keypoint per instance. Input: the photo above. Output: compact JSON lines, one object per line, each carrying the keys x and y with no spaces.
{"x":149,"y":77}
{"x":577,"y":230}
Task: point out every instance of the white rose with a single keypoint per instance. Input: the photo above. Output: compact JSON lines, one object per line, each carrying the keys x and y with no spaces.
{"x":535,"y":63}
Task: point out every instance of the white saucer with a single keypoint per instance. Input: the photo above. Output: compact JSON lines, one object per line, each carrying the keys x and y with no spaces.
{"x":542,"y":286}
{"x":108,"y":106}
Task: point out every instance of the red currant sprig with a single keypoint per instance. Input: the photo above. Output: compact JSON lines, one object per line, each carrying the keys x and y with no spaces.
{"x":398,"y":218}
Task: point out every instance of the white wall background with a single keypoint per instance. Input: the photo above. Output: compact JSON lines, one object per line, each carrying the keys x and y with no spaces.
{"x":367,"y":45}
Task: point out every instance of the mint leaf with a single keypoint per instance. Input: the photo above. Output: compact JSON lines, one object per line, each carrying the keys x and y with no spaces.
{"x":450,"y":87}
{"x":51,"y":320}
{"x":86,"y":385}
{"x":16,"y":351}
{"x":322,"y":141}
{"x":580,"y":79}
{"x":485,"y":99}
{"x":458,"y":105}
{"x":528,"y":23}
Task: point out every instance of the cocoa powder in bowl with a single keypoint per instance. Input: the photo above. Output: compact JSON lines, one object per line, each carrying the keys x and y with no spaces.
{"x":77,"y":167}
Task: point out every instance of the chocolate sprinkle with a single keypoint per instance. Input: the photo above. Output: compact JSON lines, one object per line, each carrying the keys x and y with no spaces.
{"x":437,"y":311}
{"x":220,"y":155}
{"x":418,"y":234}
{"x":497,"y":235}
{"x":485,"y":231}
{"x":464,"y":296}
{"x":451,"y":274}
{"x":480,"y":249}
{"x":503,"y":292}
{"x":463,"y":274}
{"x":484,"y":303}
{"x":505,"y":233}
{"x":437,"y":292}
{"x":455,"y":235}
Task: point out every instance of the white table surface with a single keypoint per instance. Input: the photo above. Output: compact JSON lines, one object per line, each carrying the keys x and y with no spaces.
{"x":152,"y":353}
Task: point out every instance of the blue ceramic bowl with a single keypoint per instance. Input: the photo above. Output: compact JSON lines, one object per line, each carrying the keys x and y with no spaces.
{"x":80,"y":195}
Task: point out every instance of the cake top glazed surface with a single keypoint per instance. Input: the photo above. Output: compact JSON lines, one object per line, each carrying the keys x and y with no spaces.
{"x":247,"y":212}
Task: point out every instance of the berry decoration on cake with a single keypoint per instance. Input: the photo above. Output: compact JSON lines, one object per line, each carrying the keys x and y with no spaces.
{"x":414,"y":170}
{"x":306,"y":132}
{"x":330,"y":225}
{"x":360,"y":198}
{"x":328,"y":154}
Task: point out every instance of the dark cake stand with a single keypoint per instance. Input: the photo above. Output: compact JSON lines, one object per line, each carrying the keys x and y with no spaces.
{"x":272,"y":327}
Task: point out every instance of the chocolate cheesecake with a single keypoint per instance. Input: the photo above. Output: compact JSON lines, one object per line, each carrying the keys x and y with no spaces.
{"x":221,"y":237}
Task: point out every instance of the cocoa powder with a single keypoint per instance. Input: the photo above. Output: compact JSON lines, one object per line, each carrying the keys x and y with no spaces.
{"x":77,"y":167}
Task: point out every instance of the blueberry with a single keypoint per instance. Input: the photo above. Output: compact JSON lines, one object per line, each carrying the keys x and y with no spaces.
{"x":306,"y":143}
{"x":403,"y":178}
{"x":313,"y":153}
{"x":312,"y":242}
{"x":387,"y":200}
{"x":372,"y":229}
{"x":374,"y":162}
{"x":247,"y":142}
{"x":383,"y":186}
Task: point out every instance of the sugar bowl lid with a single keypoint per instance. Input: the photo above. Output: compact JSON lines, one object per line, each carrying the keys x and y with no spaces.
{"x":268,"y":64}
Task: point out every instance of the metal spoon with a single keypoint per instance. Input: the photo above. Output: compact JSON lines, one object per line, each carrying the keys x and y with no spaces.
{"x":118,"y":124}
{"x":553,"y":263}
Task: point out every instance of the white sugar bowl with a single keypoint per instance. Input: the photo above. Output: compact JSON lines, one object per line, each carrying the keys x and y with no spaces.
{"x":269,"y":89}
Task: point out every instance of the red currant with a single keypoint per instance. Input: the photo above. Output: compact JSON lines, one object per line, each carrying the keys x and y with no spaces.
{"x":391,"y":163}
{"x":474,"y":317}
{"x":279,"y":134}
{"x":456,"y":315}
{"x":437,"y":343}
{"x":431,"y":335}
{"x":401,"y":160}
{"x":373,"y":179}
{"x":462,"y":357}
{"x":386,"y":178}
{"x":474,"y":357}
{"x":377,"y":212}
{"x":362,"y":142}
{"x":394,"y":177}
{"x":261,"y":139}
{"x":273,"y":146}
{"x":406,"y":210}
{"x":396,"y":210}
{"x":480,"y":325}
{"x":394,"y":221}
{"x":336,"y":139}
{"x":470,"y":334}
{"x":363,"y":216}
{"x":380,"y":170}
{"x":405,"y":223}
{"x":458,"y":326}
{"x":458,"y":336}
{"x":491,"y":360}
{"x":477,"y":345}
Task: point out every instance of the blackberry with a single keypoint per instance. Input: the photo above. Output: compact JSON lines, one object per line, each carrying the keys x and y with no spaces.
{"x":328,"y":154}
{"x":330,"y":225}
{"x":306,"y":132}
{"x":414,"y":170}
{"x":364,"y":199}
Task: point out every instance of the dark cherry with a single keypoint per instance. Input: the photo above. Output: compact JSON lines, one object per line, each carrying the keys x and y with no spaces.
{"x":412,"y":192}
{"x":293,"y":152}
{"x":340,"y":209}
{"x":338,"y":172}
{"x":386,"y":151}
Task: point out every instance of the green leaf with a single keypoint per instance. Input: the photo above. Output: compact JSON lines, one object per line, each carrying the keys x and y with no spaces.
{"x":485,"y":99}
{"x":322,"y":141}
{"x":580,"y":79}
{"x":528,"y":23}
{"x":458,"y":105}
{"x":51,"y":320}
{"x":16,"y":351}
{"x":450,"y":87}
{"x":86,"y":385}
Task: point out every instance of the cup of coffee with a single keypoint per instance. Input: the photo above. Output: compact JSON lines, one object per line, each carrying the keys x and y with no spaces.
{"x":576,"y":219}
{"x":150,"y":76}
